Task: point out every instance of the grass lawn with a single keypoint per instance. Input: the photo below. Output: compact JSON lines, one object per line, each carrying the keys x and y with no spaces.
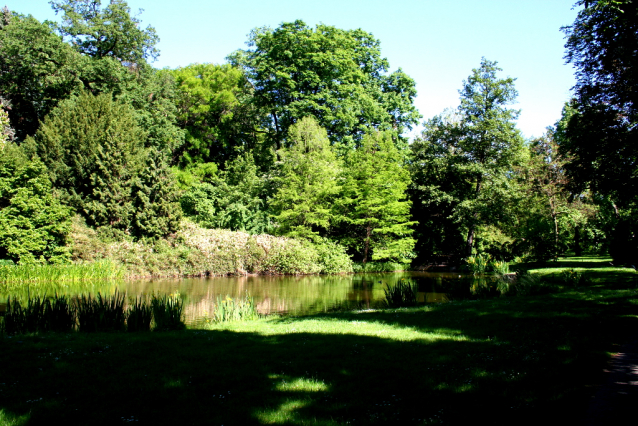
{"x":509,"y":360}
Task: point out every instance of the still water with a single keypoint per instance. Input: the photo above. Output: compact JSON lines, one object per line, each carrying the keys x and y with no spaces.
{"x":300,"y":295}
{"x":288,"y":295}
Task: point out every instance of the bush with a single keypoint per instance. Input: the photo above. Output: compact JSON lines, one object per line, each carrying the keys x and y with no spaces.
{"x":33,"y":223}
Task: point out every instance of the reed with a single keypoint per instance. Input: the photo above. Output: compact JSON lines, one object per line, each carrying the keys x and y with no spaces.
{"x":403,"y":294}
{"x":16,"y":275}
{"x":59,"y":315}
{"x":100,"y":313}
{"x":167,"y":313}
{"x":139,"y":315}
{"x":239,"y":309}
{"x":499,"y":267}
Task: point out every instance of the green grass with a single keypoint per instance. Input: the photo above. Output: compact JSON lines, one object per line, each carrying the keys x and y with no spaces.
{"x":505,"y":360}
{"x":12,"y":276}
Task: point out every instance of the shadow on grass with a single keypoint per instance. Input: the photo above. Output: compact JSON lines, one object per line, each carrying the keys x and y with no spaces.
{"x":502,"y":361}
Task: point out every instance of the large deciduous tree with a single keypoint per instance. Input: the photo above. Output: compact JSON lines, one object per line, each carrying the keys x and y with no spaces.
{"x":215,"y":113}
{"x":337,"y":76}
{"x":37,"y":69}
{"x":106,"y":32}
{"x":600,"y":137}
{"x":462,"y":162}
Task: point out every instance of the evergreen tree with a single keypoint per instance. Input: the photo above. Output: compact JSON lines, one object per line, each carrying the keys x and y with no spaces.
{"x":92,"y":148}
{"x":33,"y":222}
{"x":373,"y":206}
{"x":307,"y":182}
{"x":155,"y":201}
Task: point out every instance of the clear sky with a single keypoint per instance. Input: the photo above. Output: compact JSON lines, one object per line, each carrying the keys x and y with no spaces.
{"x":435,"y":42}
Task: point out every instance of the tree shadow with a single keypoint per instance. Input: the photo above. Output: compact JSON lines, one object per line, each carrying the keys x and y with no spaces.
{"x":501,"y":362}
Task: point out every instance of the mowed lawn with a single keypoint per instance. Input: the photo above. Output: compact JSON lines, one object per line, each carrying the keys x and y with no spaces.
{"x":508,"y":360}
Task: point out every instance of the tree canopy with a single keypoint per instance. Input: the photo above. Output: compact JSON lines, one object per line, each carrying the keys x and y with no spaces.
{"x":337,"y":76}
{"x":106,"y":32}
{"x":462,"y":161}
{"x":602,"y":44}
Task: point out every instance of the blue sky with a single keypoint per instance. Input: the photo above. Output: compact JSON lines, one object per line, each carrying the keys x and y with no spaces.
{"x":435,"y":42}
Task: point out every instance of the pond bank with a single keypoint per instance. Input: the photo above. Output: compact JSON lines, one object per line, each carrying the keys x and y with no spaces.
{"x":505,"y":360}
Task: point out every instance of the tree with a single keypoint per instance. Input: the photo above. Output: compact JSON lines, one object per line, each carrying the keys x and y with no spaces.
{"x":215,"y":112}
{"x":109,"y":32}
{"x":337,"y":76}
{"x":464,"y":159}
{"x":373,"y":205}
{"x":92,"y":148}
{"x":37,"y":69}
{"x":307,"y":182}
{"x":33,"y":223}
{"x":154,"y":199}
{"x":234,"y":199}
{"x":600,"y":136}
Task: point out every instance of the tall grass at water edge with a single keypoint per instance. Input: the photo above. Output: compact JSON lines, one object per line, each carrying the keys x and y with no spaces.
{"x":87,"y":313}
{"x":238,"y":309}
{"x":167,"y":312}
{"x":16,"y":275}
{"x":402,"y":294}
{"x":101,"y":313}
{"x":39,"y":314}
{"x":380,"y":267}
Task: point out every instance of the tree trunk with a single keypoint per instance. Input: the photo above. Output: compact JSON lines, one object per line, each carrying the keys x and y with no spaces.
{"x":366,"y":245}
{"x":578,"y":251}
{"x":470,"y":233}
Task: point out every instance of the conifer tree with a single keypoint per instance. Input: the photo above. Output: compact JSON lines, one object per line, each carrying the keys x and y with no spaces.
{"x":92,"y":148}
{"x":307,"y":182}
{"x":373,"y":204}
{"x":33,"y":222}
{"x":155,"y":201}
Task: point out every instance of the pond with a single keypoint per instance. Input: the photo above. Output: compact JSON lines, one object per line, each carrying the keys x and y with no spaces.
{"x":293,"y":295}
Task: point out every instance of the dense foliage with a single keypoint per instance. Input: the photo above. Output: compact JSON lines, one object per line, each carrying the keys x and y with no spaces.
{"x":302,"y":136}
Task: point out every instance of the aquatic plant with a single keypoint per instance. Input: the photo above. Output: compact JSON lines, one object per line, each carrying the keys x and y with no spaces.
{"x":38,"y":314}
{"x":380,"y":267}
{"x":478,"y":264}
{"x":12,"y":276}
{"x":100,"y":313}
{"x":239,"y":309}
{"x":403,"y":293}
{"x":167,"y":312}
{"x":139,"y":315}
{"x":59,"y":314}
{"x":499,"y":267}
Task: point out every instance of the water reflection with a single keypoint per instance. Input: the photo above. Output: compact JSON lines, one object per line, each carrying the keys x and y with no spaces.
{"x":296,"y":295}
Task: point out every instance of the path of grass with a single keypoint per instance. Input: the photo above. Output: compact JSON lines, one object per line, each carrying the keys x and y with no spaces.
{"x":504,"y":361}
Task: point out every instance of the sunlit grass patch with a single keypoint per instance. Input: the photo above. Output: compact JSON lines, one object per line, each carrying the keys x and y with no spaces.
{"x":7,"y":419}
{"x":299,"y":384}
